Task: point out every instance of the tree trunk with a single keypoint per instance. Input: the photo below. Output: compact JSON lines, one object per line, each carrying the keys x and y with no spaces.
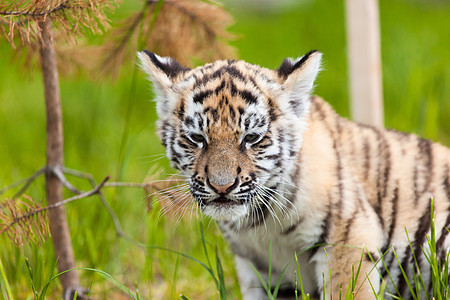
{"x":58,"y":224}
{"x":363,"y":36}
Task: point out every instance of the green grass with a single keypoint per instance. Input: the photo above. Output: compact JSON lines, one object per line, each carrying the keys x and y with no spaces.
{"x":109,"y":132}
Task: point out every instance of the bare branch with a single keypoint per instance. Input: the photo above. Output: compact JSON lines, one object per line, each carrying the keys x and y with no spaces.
{"x":95,"y":190}
{"x":126,"y":184}
{"x":105,"y":203}
{"x":58,"y":173}
{"x":27,"y":182}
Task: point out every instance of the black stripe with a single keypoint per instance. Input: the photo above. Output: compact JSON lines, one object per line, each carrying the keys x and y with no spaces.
{"x":233,"y":89}
{"x":444,"y":232}
{"x":172,"y":68}
{"x":200,"y":97}
{"x":420,"y":236}
{"x":248,"y":97}
{"x":214,"y":113}
{"x":405,"y":262}
{"x":296,"y":177}
{"x":393,"y":220}
{"x":273,"y":156}
{"x":383,"y":172}
{"x":218,"y":89}
{"x":391,"y":256}
{"x":235,"y":73}
{"x":232,"y":113}
{"x":272,"y":114}
{"x":325,"y":226}
{"x":287,"y":66}
{"x":425,"y":157}
{"x":180,"y":112}
{"x":366,"y":150}
{"x":262,"y":168}
{"x":297,"y":106}
{"x":446,"y":228}
{"x":199,"y":119}
{"x":164,"y":129}
{"x":189,"y":122}
{"x":446,"y":181}
{"x":290,"y":229}
{"x":338,"y":165}
{"x":348,"y":226}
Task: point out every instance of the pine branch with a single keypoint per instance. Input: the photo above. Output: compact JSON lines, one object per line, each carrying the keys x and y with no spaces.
{"x":70,"y":17}
{"x":34,"y":228}
{"x":195,"y":18}
{"x":182,"y":29}
{"x":23,"y":216}
{"x":37,"y":12}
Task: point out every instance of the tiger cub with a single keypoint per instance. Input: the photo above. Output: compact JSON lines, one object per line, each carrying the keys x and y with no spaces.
{"x":279,"y":170}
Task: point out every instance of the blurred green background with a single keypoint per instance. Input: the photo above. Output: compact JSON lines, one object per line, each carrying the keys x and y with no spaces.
{"x":109,"y":130}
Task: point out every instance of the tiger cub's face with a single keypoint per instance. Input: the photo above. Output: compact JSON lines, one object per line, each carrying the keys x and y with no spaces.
{"x":233,"y":128}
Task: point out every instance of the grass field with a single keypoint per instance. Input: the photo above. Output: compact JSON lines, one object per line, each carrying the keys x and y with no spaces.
{"x":109,"y":130}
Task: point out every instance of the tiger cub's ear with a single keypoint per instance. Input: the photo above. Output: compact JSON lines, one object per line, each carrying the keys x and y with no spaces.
{"x":163,"y":72}
{"x":298,"y":76}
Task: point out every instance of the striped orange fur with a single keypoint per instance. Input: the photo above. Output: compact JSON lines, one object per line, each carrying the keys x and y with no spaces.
{"x":277,"y":166}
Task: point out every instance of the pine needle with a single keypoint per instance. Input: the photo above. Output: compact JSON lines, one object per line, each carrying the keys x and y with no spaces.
{"x":19,"y":18}
{"x":186,"y":30}
{"x":24,"y":221}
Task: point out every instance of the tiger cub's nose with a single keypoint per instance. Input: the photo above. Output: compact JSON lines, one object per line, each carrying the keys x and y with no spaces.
{"x":223,"y":189}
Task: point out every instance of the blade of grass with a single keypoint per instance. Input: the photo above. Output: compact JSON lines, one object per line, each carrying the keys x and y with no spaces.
{"x":405,"y":276}
{"x":9,"y":294}
{"x":331,"y":277}
{"x":109,"y":277}
{"x":299,"y":277}
{"x":209,"y":268}
{"x":263,"y":282}
{"x":44,"y":289}
{"x":30,"y":272}
{"x":219,"y":270}
{"x":277,"y":286}
{"x":175,"y":273}
{"x":418,"y":279}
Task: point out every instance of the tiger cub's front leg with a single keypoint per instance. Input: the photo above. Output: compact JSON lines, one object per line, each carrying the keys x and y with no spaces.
{"x":343,"y":263}
{"x":249,"y":283}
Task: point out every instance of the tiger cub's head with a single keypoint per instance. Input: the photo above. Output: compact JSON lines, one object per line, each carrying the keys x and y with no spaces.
{"x":232,"y":127}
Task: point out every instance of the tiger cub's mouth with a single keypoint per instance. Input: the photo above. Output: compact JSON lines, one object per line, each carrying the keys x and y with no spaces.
{"x":222,"y":200}
{"x":225,"y":209}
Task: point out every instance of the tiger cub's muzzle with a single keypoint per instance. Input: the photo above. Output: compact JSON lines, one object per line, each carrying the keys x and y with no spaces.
{"x":223,"y":188}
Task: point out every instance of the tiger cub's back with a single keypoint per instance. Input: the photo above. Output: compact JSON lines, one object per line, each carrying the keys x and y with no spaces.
{"x":398,"y":174}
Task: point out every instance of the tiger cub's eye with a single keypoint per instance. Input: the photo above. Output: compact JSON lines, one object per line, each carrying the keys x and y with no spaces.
{"x":197,"y":138}
{"x":251,"y":138}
